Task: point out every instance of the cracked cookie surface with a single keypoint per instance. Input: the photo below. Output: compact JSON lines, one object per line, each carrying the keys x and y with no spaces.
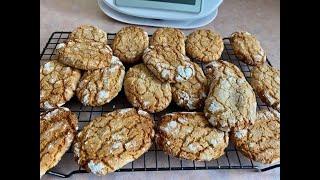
{"x":247,"y":48}
{"x":266,"y":83}
{"x":129,"y":44}
{"x":204,"y":45}
{"x":261,"y":141}
{"x":172,"y":37}
{"x":58,"y":128}
{"x":88,"y":33}
{"x":192,"y":93}
{"x":114,"y":139}
{"x":100,"y":86}
{"x":145,"y":91}
{"x":57,"y":84}
{"x":231,"y":102}
{"x":167,"y":64}
{"x":84,"y":55}
{"x":188,"y":135}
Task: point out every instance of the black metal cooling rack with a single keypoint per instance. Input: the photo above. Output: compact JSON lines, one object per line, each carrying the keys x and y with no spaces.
{"x":154,"y":159}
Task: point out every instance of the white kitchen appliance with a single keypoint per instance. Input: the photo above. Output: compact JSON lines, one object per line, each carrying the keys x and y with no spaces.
{"x":184,"y":14}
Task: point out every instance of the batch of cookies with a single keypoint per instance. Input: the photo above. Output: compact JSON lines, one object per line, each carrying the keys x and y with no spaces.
{"x":220,"y":103}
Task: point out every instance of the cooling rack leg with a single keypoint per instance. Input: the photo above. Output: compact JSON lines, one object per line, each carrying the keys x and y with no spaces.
{"x":268,"y":168}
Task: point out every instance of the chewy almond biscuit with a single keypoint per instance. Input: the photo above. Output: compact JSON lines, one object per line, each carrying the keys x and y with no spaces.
{"x":261,"y":141}
{"x":204,"y":45}
{"x":129,"y":44}
{"x":247,"y":48}
{"x":57,"y":84}
{"x":88,"y":33}
{"x":114,"y":139}
{"x":58,"y":128}
{"x":143,"y":90}
{"x":192,"y":93}
{"x":171,"y":37}
{"x":188,"y":135}
{"x":98,"y":87}
{"x":167,"y":64}
{"x":231,"y":102}
{"x":266,"y":83}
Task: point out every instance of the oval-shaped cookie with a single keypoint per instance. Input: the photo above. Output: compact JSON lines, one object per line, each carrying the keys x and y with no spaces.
{"x":204,"y":45}
{"x":231,"y":102}
{"x":247,"y":48}
{"x":192,"y":93}
{"x":84,"y":55}
{"x":261,"y":141}
{"x":167,"y":64}
{"x":145,"y":91}
{"x":58,"y":128}
{"x":88,"y":33}
{"x":188,"y":135}
{"x":98,"y":87}
{"x":172,"y":37}
{"x":129,"y":44}
{"x":266,"y":83}
{"x":114,"y":139}
{"x":57,"y":84}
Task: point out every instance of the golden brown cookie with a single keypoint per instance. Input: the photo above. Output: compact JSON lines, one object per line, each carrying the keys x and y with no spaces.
{"x":172,"y":37}
{"x":204,"y":45}
{"x":247,"y":48}
{"x":88,"y":33}
{"x":188,"y":135}
{"x":57,"y":84}
{"x":114,"y":139}
{"x":192,"y":93}
{"x":145,"y":91}
{"x":261,"y":141}
{"x":98,"y":87}
{"x":231,"y":102}
{"x":266,"y":83}
{"x":130,"y":43}
{"x":167,"y":64}
{"x":58,"y":128}
{"x":84,"y":55}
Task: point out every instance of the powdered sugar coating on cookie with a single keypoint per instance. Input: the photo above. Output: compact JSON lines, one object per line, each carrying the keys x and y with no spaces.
{"x":188,"y":135}
{"x":143,"y":90}
{"x":98,"y":87}
{"x":57,"y":84}
{"x":167,"y":64}
{"x":112,"y":140}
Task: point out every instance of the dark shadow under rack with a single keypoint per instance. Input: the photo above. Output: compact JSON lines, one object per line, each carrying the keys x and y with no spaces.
{"x":154,"y":159}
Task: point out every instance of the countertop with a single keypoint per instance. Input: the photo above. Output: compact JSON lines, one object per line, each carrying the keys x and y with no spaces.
{"x":260,"y":17}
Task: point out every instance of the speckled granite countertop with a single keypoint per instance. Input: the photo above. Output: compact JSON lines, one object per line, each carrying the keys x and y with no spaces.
{"x":260,"y":17}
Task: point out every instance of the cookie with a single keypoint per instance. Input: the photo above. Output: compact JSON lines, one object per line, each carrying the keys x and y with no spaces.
{"x":58,"y":128}
{"x":247,"y":48}
{"x":192,"y":93}
{"x":88,"y":33}
{"x":188,"y":135}
{"x":130,"y":43}
{"x":57,"y":84}
{"x":145,"y":91}
{"x":204,"y":45}
{"x":266,"y":83}
{"x":84,"y":55}
{"x":167,"y":64}
{"x":100,"y":86}
{"x":261,"y":141}
{"x":231,"y":102}
{"x":114,"y":139}
{"x":172,"y":37}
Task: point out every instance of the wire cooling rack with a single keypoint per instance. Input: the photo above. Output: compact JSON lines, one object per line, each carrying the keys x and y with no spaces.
{"x":155,"y":159}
